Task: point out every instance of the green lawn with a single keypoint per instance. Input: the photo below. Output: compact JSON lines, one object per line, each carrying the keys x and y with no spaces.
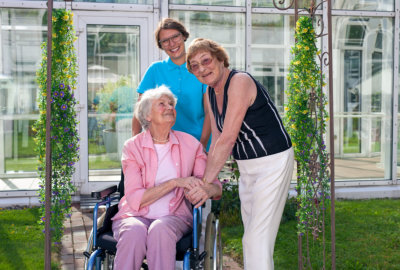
{"x":367,"y":237}
{"x":22,"y":164}
{"x":21,"y":240}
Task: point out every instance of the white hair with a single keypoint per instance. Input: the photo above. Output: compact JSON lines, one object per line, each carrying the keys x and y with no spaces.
{"x":143,"y":106}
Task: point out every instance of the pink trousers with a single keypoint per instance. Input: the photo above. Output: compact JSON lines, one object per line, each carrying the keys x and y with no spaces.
{"x":140,"y":237}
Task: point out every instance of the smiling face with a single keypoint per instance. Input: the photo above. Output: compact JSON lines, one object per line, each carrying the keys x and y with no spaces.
{"x":162,"y":112}
{"x":207,"y":68}
{"x":173,"y":43}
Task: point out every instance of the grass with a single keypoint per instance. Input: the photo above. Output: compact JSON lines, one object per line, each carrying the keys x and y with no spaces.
{"x":102,"y":162}
{"x":22,"y":164}
{"x":22,"y":240}
{"x":367,"y":237}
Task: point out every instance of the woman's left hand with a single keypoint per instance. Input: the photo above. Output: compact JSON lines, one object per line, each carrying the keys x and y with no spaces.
{"x":188,"y":183}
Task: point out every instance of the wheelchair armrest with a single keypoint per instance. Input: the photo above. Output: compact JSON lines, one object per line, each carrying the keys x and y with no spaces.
{"x":101,"y":194}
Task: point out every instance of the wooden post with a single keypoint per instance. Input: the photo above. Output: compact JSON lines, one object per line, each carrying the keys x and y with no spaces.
{"x":48,"y":142}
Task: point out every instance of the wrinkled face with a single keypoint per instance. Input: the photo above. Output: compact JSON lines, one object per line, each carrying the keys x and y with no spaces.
{"x":207,"y":68}
{"x":162,"y":112}
{"x":172,"y":42}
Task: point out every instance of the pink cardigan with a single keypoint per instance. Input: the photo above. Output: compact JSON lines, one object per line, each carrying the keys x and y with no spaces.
{"x":139,"y":163}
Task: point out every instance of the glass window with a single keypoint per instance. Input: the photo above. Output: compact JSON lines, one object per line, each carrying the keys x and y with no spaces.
{"x":113,"y":72}
{"x":272,"y":38}
{"x":140,"y":2}
{"x":374,"y":5}
{"x":281,"y":4}
{"x":209,"y":2}
{"x":363,"y":68}
{"x":398,"y":130}
{"x":225,"y":28}
{"x":22,"y":32}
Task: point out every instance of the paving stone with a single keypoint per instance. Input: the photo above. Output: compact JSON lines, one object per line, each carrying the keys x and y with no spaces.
{"x":66,"y":237}
{"x":76,"y":222}
{"x":67,"y":244}
{"x":67,"y":250}
{"x":78,"y":231}
{"x":81,"y":246}
{"x":76,"y":214}
{"x":79,"y":263}
{"x":69,"y":266}
{"x":79,"y":238}
{"x":67,"y":258}
{"x":79,"y":255}
{"x":67,"y":229}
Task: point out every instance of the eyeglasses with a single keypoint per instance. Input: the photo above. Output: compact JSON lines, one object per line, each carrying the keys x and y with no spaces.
{"x":174,"y":38}
{"x":204,"y":62}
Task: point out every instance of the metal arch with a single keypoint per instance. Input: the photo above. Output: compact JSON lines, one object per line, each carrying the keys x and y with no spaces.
{"x":325,"y":60}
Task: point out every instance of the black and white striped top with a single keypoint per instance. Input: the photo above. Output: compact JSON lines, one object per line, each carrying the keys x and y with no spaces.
{"x":262,"y":132}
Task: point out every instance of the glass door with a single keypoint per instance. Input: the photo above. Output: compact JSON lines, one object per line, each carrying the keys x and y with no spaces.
{"x":112,"y":56}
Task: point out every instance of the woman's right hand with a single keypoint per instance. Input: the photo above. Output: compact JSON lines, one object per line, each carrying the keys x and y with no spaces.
{"x":188,"y":183}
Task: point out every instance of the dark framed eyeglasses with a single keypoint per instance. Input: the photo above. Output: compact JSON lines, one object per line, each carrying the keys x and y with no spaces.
{"x":175,"y":38}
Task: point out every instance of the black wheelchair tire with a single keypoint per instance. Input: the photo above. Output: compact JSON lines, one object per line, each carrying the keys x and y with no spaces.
{"x":212,"y":237}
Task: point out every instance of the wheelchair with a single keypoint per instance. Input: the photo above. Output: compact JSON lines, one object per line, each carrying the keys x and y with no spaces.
{"x":101,"y":247}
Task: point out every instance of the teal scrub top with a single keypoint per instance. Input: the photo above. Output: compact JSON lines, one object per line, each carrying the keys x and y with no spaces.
{"x":186,"y":88}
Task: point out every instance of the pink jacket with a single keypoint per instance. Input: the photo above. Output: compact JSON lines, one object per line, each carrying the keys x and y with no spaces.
{"x":139,"y":163}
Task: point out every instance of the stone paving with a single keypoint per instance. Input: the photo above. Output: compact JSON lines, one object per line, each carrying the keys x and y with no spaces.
{"x":74,"y":241}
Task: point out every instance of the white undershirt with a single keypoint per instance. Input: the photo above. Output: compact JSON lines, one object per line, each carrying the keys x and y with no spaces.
{"x":166,"y":171}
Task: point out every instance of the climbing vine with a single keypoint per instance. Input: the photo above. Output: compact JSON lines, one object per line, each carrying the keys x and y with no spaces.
{"x":64,"y":135}
{"x":306,"y":119}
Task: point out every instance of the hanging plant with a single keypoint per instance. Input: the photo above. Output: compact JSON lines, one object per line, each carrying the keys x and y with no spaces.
{"x":305,"y":120}
{"x":64,"y":134}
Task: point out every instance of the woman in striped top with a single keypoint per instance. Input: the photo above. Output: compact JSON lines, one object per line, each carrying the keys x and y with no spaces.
{"x":246,"y":123}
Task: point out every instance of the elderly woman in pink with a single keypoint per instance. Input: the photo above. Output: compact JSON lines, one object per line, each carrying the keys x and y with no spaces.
{"x":159,"y":165}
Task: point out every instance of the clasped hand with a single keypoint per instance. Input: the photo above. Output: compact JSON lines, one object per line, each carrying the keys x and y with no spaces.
{"x":196,"y":191}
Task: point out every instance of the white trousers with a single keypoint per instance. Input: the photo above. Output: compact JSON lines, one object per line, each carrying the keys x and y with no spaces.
{"x":263,"y":190}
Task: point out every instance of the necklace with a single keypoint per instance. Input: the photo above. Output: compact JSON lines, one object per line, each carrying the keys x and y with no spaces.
{"x":160,"y":141}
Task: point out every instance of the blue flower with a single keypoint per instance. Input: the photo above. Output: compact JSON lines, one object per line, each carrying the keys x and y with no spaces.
{"x":62,"y":94}
{"x":66,"y":129}
{"x":62,"y":86}
{"x":56,"y":94}
{"x":70,"y":145}
{"x":64,"y":107}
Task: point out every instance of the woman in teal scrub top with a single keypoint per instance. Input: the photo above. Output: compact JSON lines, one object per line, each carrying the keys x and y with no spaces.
{"x":172,"y":72}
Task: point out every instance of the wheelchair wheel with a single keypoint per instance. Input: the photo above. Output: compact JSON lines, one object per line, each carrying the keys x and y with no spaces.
{"x":89,"y":247}
{"x":213,"y":244}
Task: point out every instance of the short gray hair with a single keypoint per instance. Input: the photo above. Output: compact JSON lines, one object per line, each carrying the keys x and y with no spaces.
{"x":143,"y":106}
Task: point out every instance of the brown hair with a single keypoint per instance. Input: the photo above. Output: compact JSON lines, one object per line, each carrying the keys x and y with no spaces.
{"x":206,"y":45}
{"x":168,"y":23}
